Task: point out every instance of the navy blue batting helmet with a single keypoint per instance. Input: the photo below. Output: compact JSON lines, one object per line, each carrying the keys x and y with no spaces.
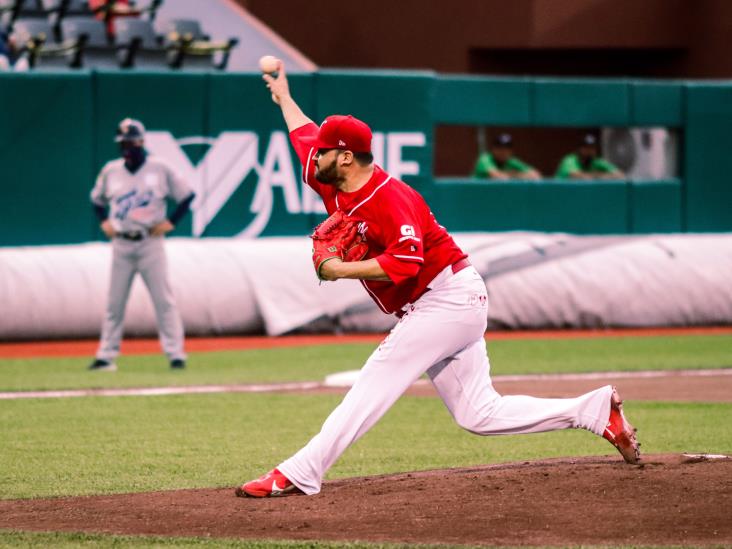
{"x":130,"y":130}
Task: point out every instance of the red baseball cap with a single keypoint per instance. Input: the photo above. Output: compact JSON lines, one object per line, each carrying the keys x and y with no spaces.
{"x":342,"y":132}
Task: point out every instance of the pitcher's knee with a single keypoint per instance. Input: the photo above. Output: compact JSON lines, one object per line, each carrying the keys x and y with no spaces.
{"x":472,"y":422}
{"x":479,"y":417}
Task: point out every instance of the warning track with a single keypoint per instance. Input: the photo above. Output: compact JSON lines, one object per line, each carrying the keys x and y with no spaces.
{"x":27,"y":349}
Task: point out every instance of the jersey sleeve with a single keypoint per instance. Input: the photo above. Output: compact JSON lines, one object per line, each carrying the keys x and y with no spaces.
{"x":178,"y":188}
{"x":568,"y":165}
{"x":518,"y":165}
{"x":602,"y":165}
{"x":484,"y":165}
{"x":98,"y":193}
{"x":305,"y":153}
{"x":403,"y":255}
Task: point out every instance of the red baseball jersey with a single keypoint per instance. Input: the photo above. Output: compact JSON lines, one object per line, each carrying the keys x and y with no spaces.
{"x":401,"y":231}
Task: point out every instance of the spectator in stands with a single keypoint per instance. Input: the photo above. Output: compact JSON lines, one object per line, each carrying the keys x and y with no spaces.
{"x":10,"y":57}
{"x":500,"y":162}
{"x":586,"y":163}
{"x":109,"y":10}
{"x":4,"y":53}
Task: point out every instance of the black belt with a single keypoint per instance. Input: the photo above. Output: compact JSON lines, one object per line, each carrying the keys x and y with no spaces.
{"x":135,"y":236}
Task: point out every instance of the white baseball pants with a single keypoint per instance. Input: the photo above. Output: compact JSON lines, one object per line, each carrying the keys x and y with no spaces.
{"x":441,"y":334}
{"x":148,"y":258}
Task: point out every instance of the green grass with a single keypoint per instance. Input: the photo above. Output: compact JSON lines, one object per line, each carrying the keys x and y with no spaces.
{"x":107,"y":445}
{"x":314,"y":363}
{"x":546,"y":356}
{"x":254,"y":366}
{"x":72,"y":540}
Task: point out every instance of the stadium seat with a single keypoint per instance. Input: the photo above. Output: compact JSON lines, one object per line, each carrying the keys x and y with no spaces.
{"x":36,"y":38}
{"x":31,"y":8}
{"x":75,"y":26}
{"x":138,"y":45}
{"x":97,"y":52}
{"x":52,"y":10}
{"x":194,"y":50}
{"x":27,"y":29}
{"x":9,"y":10}
{"x":184,"y":27}
{"x":56,"y":10}
{"x":67,"y":7}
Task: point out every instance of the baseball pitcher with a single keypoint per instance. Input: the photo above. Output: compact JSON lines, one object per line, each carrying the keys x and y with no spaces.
{"x":382,"y":233}
{"x":129,"y":199}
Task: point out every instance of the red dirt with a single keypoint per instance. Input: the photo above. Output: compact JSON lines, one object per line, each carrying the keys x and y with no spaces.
{"x":671,"y":389}
{"x":671,"y":500}
{"x":674,"y":388}
{"x":27,"y":349}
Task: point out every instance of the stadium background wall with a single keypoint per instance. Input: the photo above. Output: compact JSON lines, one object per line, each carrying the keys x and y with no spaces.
{"x":57,"y":133}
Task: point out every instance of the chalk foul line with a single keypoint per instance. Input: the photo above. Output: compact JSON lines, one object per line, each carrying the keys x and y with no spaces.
{"x":165,"y":391}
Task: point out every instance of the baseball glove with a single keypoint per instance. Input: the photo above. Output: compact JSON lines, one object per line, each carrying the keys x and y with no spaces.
{"x":337,"y":237}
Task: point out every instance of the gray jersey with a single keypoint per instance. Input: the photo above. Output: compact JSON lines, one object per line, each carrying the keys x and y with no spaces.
{"x":137,"y":201}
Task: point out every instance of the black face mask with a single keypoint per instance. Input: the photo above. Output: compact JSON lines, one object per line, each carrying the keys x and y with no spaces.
{"x":134,"y":155}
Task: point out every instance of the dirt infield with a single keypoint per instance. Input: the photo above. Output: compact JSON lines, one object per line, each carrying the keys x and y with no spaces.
{"x":671,"y":500}
{"x":677,"y":388}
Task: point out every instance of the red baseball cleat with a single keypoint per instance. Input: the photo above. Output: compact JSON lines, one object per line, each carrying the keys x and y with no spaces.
{"x":620,"y":432}
{"x":272,"y":484}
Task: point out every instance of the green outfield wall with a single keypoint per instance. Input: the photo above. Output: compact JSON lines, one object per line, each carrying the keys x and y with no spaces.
{"x":228,"y":139}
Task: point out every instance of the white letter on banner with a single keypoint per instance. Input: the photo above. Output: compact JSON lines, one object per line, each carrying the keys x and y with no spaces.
{"x":395,"y":142}
{"x":278,"y":154}
{"x":377,"y":148}
{"x":227,"y":162}
{"x":311,"y":201}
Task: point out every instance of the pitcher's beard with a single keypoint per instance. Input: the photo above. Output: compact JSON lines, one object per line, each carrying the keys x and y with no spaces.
{"x":329,"y":174}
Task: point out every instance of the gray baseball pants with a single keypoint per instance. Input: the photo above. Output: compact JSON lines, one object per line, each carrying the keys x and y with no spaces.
{"x":148,"y":258}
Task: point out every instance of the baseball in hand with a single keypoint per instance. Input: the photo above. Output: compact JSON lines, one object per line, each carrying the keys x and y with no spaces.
{"x":268,"y":63}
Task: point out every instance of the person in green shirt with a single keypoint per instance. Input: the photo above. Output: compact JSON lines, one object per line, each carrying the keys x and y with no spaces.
{"x":586,"y":163}
{"x":500,"y":162}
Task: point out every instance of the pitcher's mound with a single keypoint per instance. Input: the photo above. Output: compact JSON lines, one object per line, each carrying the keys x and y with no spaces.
{"x":669,"y":500}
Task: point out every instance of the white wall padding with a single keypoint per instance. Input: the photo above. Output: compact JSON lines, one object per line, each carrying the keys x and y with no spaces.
{"x":235,"y":286}
{"x":674,"y":280}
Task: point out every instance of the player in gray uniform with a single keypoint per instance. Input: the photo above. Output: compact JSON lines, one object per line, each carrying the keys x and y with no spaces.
{"x":130,"y":200}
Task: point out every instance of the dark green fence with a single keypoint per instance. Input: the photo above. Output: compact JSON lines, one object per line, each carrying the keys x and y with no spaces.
{"x":57,"y":128}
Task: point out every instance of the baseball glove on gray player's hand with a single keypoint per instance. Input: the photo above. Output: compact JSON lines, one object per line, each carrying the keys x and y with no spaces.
{"x":337,"y":237}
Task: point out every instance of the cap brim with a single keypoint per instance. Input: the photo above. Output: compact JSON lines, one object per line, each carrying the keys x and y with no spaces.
{"x":313,"y":141}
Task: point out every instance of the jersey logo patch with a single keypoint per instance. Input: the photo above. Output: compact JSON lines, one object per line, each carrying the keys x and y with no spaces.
{"x":131,"y":201}
{"x":408,"y":233}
